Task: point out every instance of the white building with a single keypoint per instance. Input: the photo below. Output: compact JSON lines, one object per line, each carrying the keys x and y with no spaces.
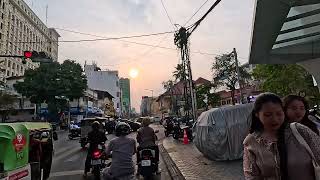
{"x":104,"y":81}
{"x":22,"y":30}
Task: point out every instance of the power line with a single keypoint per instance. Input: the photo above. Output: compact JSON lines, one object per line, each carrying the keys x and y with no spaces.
{"x":196,"y":12}
{"x":165,"y":9}
{"x":93,"y":40}
{"x":196,"y":24}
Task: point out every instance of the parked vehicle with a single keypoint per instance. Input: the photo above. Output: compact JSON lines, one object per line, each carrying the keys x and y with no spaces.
{"x":26,"y":150}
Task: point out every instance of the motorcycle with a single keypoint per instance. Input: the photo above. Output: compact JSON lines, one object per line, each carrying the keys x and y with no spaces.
{"x":168,"y":128}
{"x":147,"y":165}
{"x":178,"y":132}
{"x":73,"y":133}
{"x":98,"y":161}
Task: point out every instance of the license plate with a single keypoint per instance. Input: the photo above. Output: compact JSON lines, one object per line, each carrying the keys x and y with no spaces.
{"x":146,"y":163}
{"x":96,"y":162}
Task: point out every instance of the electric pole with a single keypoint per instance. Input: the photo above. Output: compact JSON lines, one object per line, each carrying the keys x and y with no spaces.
{"x":238,"y":72}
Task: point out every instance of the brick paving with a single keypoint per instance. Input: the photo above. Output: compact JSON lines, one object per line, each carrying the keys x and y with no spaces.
{"x":194,"y":166}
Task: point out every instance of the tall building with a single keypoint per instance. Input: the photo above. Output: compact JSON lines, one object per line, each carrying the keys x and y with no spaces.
{"x":22,"y":30}
{"x":125,"y":95}
{"x":107,"y":81}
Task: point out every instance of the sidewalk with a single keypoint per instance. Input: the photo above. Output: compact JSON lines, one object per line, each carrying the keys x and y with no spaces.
{"x":192,"y":165}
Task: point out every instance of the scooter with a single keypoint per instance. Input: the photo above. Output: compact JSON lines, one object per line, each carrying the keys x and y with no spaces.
{"x":147,"y":164}
{"x":73,"y":133}
{"x":98,"y":161}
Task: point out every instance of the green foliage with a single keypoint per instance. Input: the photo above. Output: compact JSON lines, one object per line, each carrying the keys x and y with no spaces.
{"x":285,"y":79}
{"x":179,"y":74}
{"x":203,"y":91}
{"x":6,"y":104}
{"x":225,"y":73}
{"x":53,"y":79}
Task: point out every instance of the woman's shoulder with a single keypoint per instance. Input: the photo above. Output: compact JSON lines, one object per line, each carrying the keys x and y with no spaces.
{"x":250,"y":139}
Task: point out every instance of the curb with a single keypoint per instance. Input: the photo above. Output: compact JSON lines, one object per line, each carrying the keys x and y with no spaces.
{"x":173,"y":170}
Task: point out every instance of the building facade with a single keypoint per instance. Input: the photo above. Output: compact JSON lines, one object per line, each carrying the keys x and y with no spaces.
{"x":125,"y":96}
{"x":22,"y":30}
{"x":107,"y":81}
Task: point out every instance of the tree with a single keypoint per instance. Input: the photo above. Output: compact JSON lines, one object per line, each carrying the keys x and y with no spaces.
{"x":285,"y":79}
{"x":202,"y":92}
{"x":225,"y":73}
{"x":6,"y":104}
{"x":179,"y":74}
{"x":52,"y":80}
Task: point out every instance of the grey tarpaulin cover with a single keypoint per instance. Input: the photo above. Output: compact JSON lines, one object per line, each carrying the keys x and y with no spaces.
{"x":219,"y":132}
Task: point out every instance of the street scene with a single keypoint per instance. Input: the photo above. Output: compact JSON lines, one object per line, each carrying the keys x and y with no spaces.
{"x":159,"y":90}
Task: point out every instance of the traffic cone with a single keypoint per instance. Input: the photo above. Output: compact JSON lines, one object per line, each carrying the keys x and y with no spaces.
{"x":185,"y":137}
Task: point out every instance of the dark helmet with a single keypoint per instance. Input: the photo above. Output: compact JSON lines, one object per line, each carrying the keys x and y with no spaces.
{"x":95,"y":125}
{"x":122,"y":129}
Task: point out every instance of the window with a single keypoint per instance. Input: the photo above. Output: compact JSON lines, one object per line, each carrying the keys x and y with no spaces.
{"x":13,"y":65}
{"x":0,"y":35}
{"x":9,"y":63}
{"x":2,"y":16}
{"x":18,"y":67}
{"x":12,"y":73}
{"x":1,"y":26}
{"x":118,"y":94}
{"x":117,"y":83}
{"x":8,"y":73}
{"x":118,"y":105}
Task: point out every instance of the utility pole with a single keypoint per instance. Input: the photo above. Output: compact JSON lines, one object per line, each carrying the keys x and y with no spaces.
{"x":238,"y":72}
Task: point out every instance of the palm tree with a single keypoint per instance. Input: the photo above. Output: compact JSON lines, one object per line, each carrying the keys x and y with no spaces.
{"x":179,"y":73}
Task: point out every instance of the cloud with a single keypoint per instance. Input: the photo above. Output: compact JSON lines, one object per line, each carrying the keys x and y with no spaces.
{"x":227,"y":27}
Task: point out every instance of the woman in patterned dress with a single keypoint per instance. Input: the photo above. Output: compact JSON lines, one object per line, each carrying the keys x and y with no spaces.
{"x":271,"y":151}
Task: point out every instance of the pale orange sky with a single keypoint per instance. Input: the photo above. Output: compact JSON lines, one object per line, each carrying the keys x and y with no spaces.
{"x":228,"y":26}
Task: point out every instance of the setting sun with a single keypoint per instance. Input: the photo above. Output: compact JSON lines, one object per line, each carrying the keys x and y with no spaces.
{"x":133,"y":73}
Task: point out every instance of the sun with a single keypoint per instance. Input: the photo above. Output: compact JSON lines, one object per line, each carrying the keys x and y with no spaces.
{"x":133,"y":73}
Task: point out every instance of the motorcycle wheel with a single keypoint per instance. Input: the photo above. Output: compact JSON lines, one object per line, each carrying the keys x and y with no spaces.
{"x":96,"y":173}
{"x":70,"y":137}
{"x":175,"y":136}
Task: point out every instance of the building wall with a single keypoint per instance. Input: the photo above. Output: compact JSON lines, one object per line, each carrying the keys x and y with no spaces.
{"x":125,"y":93}
{"x":104,"y":81}
{"x":18,"y":23}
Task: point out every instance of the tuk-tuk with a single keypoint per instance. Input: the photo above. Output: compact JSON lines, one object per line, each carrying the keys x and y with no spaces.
{"x":26,"y":150}
{"x":85,"y":126}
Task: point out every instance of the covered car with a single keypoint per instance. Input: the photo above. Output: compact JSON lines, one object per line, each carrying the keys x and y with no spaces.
{"x":219,"y":132}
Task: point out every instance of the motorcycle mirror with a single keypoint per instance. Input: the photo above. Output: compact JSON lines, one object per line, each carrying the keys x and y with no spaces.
{"x":55,"y":136}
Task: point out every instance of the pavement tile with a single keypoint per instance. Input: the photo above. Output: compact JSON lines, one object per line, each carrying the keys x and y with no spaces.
{"x":193,"y":165}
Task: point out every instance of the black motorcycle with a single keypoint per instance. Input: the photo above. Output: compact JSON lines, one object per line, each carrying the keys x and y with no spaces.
{"x":178,"y":132}
{"x":169,"y":125}
{"x":98,"y":161}
{"x":147,"y":165}
{"x":74,"y":133}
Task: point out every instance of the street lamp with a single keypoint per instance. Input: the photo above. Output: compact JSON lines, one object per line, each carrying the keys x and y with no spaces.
{"x":150,"y":90}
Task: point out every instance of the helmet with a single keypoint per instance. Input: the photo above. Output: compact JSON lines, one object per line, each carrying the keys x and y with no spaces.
{"x":145,"y":122}
{"x":95,"y":125}
{"x":122,"y":129}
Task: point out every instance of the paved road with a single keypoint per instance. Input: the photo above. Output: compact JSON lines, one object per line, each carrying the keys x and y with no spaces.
{"x":69,"y":158}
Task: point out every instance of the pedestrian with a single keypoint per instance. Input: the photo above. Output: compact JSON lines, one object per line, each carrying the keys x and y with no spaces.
{"x":296,"y":109}
{"x":271,"y":150}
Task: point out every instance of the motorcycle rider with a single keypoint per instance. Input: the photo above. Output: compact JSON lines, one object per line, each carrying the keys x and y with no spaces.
{"x":95,"y":137}
{"x":122,"y":149}
{"x":146,"y":137}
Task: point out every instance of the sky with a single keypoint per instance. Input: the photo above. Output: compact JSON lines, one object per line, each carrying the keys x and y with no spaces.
{"x":228,"y":26}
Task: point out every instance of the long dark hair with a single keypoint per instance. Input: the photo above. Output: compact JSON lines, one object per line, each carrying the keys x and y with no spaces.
{"x":257,"y":126}
{"x":305,"y":121}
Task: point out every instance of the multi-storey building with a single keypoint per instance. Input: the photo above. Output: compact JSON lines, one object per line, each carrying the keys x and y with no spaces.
{"x":22,"y":30}
{"x":106,"y":81}
{"x":125,"y":95}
